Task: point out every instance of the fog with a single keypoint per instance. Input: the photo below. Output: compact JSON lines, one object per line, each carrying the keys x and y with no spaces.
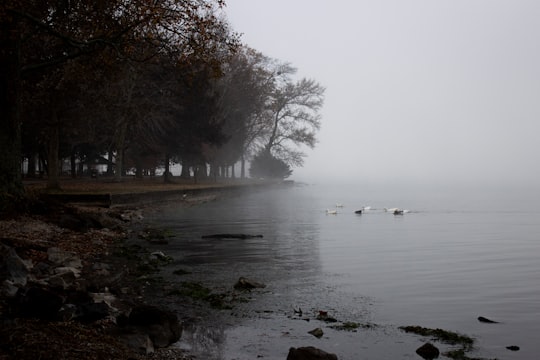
{"x":417,"y":92}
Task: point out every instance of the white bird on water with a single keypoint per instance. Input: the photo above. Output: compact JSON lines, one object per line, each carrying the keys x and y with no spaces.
{"x":331,"y":212}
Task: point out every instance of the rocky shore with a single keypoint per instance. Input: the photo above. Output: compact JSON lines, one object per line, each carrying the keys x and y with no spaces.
{"x":70,"y":288}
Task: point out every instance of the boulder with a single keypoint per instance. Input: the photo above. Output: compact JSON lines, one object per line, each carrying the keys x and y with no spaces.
{"x":12,"y":268}
{"x":91,"y":312}
{"x":63,"y":279}
{"x":428,"y":351}
{"x":162,"y":326}
{"x":317,"y":332}
{"x":140,"y":343}
{"x":309,"y":353}
{"x":38,"y":302}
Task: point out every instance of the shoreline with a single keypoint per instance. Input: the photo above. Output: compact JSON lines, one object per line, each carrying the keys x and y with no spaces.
{"x":112,"y":246}
{"x":107,"y":265}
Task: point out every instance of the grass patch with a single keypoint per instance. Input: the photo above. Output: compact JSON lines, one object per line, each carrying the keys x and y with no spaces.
{"x":464,"y":342}
{"x":352,"y":326}
{"x":153,"y":234}
{"x":196,"y":291}
{"x":448,"y":337}
{"x":459,"y":354}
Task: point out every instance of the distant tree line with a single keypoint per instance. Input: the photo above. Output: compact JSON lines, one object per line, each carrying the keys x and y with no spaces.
{"x":143,"y":84}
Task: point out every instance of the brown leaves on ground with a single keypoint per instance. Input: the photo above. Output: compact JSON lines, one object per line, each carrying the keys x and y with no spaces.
{"x":30,"y":339}
{"x":34,"y":339}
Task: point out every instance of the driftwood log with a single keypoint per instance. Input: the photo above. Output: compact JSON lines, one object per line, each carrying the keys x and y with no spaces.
{"x":231,"y":236}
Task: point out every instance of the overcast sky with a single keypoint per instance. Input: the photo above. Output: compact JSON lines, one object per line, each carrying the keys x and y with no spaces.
{"x":421,"y":91}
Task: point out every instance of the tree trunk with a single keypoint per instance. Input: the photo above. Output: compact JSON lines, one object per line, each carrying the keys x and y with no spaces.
{"x":213,"y":170}
{"x":185,"y":171}
{"x":167,"y":178}
{"x":138,"y":167}
{"x":80,"y":169}
{"x":10,"y":105}
{"x":109,"y":171}
{"x":32,"y":159}
{"x":73,"y":165}
{"x":243,"y":168}
{"x":202,"y":171}
{"x":120,"y":144}
{"x":53,"y":181}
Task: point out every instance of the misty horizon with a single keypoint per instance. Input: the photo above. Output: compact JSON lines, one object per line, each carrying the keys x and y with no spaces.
{"x":417,"y":92}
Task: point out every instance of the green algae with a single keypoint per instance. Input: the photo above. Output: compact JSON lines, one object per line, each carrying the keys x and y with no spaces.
{"x":449,"y":337}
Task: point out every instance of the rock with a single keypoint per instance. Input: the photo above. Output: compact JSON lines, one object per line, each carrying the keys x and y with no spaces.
{"x":248,"y":284}
{"x":316,"y":332}
{"x":8,"y":289}
{"x":140,"y":343}
{"x":101,"y":269}
{"x":63,"y":279}
{"x":105,"y":297}
{"x":38,"y":302}
{"x":131,"y":215}
{"x":67,"y":312}
{"x":42,"y":269}
{"x":162,"y":326}
{"x":12,"y":268}
{"x":92,"y":312}
{"x":159,"y":255}
{"x":323,"y":316}
{"x":63,"y":258}
{"x":309,"y":353}
{"x":428,"y":351}
{"x":72,"y":222}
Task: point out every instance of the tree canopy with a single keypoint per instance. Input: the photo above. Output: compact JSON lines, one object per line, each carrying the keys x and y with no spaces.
{"x":137,"y":85}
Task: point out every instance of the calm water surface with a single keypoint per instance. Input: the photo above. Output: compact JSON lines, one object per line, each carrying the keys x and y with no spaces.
{"x":451,"y":259}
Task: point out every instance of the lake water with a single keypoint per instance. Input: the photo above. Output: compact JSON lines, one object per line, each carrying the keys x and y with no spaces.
{"x":452,"y":258}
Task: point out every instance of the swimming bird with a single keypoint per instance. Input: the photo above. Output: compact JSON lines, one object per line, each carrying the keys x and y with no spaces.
{"x":331,"y":212}
{"x":358,"y":212}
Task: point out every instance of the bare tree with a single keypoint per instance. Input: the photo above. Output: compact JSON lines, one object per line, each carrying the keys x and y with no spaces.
{"x":293,"y":119}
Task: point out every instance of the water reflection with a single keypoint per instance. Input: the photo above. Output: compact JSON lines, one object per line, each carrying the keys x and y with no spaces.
{"x":436,"y":267}
{"x":286,"y":258}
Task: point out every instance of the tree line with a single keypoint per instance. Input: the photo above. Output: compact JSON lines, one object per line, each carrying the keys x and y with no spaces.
{"x":143,"y":84}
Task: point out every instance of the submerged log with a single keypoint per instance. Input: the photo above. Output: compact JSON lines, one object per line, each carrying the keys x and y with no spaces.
{"x":486,"y":320}
{"x":231,"y":236}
